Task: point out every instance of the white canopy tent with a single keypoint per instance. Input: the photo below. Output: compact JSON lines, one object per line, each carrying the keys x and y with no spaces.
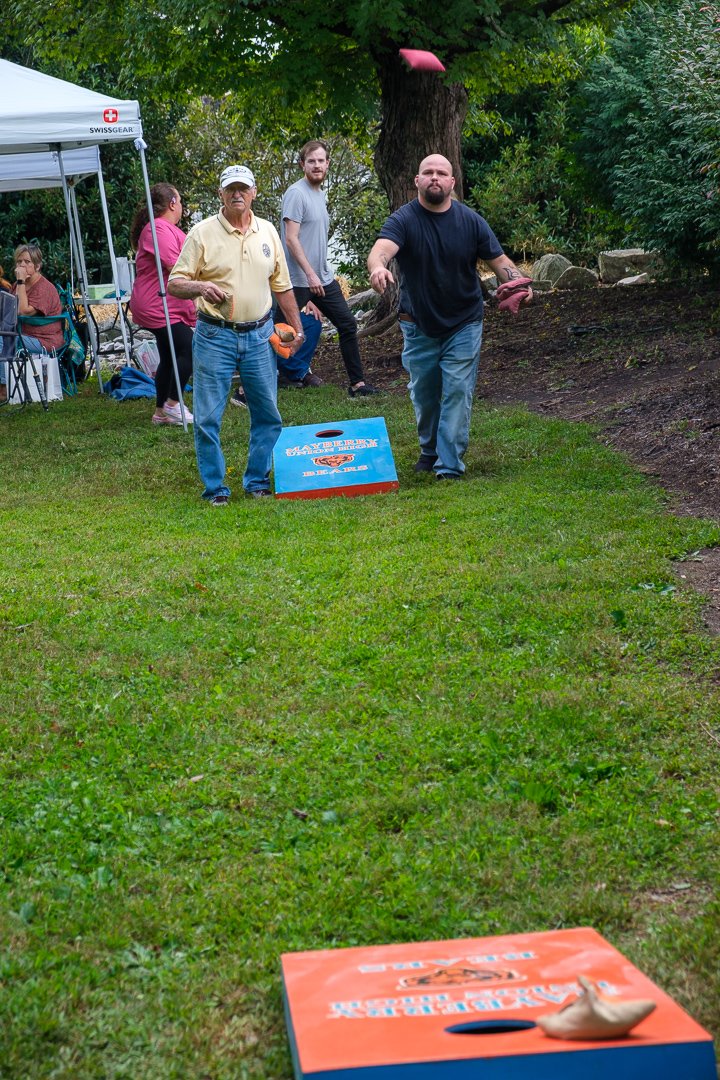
{"x":38,"y":112}
{"x":41,"y":115}
{"x":26,"y":172}
{"x":44,"y":169}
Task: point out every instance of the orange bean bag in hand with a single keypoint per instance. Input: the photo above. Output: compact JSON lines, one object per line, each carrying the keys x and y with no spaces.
{"x":281,"y":339}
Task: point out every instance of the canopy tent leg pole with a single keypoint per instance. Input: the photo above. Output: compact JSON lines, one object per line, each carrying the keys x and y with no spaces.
{"x":74,"y":261}
{"x":113,"y":263}
{"x":83,"y":276}
{"x":75,"y":271}
{"x":76,"y":244}
{"x":141,"y":147}
{"x":93,"y":343}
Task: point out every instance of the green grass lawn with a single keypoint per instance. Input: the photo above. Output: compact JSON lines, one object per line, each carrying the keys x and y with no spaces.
{"x":458,"y":710}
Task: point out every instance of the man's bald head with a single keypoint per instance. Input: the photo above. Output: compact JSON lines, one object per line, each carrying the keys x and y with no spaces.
{"x":436,"y":160}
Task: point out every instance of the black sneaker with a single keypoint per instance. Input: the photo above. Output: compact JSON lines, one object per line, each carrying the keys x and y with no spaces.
{"x":425,"y":463}
{"x":219,"y":500}
{"x":311,"y":379}
{"x":365,"y":390}
{"x":239,"y":398}
{"x":448,"y":476}
{"x":261,"y":493}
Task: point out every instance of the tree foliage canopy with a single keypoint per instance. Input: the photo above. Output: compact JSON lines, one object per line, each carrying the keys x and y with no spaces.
{"x":336,"y":57}
{"x":259,"y":74}
{"x":304,"y":47}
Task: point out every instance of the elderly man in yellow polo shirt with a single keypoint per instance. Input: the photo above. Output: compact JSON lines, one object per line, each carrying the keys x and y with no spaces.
{"x":231,"y":265}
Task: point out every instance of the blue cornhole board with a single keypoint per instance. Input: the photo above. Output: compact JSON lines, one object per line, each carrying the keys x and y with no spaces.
{"x":344,"y":457}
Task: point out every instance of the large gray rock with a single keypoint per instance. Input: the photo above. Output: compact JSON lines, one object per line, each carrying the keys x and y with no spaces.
{"x":577,"y":277}
{"x":625,"y":262}
{"x":550,"y":267}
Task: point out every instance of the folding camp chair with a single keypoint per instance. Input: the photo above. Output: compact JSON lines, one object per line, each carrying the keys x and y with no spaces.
{"x":73,"y":362}
{"x":17,"y":360}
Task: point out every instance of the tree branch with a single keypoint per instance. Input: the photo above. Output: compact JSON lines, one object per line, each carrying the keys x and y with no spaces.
{"x":375,"y":329}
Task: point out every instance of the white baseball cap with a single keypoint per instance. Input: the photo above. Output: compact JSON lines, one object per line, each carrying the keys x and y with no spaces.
{"x":236,"y":174}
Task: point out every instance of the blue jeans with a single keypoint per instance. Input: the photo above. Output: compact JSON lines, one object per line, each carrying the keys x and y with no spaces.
{"x":298,"y":365}
{"x":32,"y":344}
{"x":443,"y":372}
{"x":217,"y":354}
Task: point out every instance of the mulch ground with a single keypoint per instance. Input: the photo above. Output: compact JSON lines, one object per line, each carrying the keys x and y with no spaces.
{"x":642,"y":363}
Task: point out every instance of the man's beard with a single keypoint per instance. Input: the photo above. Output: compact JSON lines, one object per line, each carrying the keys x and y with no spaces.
{"x":434,"y":196}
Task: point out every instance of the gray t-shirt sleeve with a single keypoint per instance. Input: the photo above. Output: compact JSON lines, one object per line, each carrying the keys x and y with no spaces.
{"x":293,"y":205}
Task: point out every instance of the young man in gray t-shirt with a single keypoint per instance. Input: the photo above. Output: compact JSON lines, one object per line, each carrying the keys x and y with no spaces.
{"x":304,"y":234}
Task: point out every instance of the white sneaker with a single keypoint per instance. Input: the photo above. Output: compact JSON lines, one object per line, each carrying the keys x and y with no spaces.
{"x":173,"y":411}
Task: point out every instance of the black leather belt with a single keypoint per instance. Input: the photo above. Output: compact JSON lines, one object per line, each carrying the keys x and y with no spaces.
{"x":238,"y":327}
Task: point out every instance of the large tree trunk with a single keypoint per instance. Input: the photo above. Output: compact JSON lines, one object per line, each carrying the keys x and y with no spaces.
{"x":421,"y":115}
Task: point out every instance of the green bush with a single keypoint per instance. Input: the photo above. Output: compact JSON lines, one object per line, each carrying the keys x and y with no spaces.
{"x":536,"y":197}
{"x":652,"y":128}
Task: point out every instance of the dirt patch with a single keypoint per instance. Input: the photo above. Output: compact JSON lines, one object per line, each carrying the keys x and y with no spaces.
{"x":701,"y":571}
{"x":642,"y":362}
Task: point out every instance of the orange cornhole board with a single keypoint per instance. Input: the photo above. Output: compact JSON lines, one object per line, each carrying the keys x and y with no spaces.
{"x":347,"y":457}
{"x":466,"y":1010}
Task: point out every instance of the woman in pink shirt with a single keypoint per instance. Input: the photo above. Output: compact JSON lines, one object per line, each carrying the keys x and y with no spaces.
{"x":146,"y":304}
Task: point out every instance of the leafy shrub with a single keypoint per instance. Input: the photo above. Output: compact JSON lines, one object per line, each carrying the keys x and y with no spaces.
{"x":536,"y":197}
{"x":358,"y":207}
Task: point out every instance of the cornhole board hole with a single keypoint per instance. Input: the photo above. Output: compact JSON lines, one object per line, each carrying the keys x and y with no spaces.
{"x":466,"y":1010}
{"x":347,"y":457}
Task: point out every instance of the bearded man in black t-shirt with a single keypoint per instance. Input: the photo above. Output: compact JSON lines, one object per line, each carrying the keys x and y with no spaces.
{"x":437,"y":242}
